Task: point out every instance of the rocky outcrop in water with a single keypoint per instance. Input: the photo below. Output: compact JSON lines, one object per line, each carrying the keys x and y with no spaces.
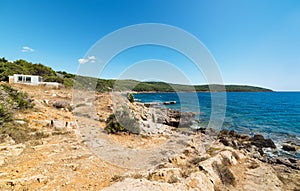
{"x":290,"y":147}
{"x":260,"y":142}
{"x":255,"y":146}
{"x":233,"y":139}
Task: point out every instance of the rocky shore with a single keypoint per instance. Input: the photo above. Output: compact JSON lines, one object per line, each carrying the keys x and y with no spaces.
{"x":78,"y":154}
{"x":258,"y":146}
{"x":229,"y":161}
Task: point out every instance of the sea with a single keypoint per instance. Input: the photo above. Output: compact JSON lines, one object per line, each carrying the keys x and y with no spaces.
{"x":275,"y":115}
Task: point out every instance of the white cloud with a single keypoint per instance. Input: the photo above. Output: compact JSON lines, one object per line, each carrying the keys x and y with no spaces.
{"x":27,"y":49}
{"x":82,"y":61}
{"x":91,"y":59}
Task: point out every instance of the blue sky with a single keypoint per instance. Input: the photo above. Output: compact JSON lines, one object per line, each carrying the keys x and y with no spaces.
{"x":255,"y":42}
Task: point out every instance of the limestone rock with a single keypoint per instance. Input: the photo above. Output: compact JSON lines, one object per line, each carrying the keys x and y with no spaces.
{"x":142,"y":184}
{"x":62,"y":104}
{"x":199,"y":181}
{"x":169,"y":175}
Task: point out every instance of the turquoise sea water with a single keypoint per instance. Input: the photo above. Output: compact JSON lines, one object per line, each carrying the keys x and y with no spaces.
{"x":276,"y":115}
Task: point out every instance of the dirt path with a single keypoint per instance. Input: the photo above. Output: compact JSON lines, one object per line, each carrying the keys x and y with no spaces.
{"x":59,"y":162}
{"x":131,"y":152}
{"x":141,"y":153}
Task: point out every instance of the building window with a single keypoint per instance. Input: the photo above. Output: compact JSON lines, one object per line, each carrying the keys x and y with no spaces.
{"x":28,"y":79}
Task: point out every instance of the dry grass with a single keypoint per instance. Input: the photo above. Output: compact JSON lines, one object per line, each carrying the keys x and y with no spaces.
{"x":225,"y":174}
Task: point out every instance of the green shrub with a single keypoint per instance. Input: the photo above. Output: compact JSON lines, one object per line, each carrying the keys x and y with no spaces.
{"x":19,"y":99}
{"x":68,"y":82}
{"x":17,"y":132}
{"x":20,"y":133}
{"x":121,"y":121}
{"x":130,"y":97}
{"x":10,"y":101}
{"x":112,"y":125}
{"x":5,"y":115}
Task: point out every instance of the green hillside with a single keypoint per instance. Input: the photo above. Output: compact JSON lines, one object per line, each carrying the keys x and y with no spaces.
{"x":69,"y":80}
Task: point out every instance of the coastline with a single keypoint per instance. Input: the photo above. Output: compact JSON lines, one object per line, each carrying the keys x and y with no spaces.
{"x":82,"y":155}
{"x":267,"y":148}
{"x":208,"y":91}
{"x":210,"y":160}
{"x":246,"y":118}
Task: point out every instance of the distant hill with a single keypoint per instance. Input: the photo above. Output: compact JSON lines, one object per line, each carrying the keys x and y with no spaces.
{"x":236,"y":88}
{"x":24,"y":67}
{"x":165,"y":87}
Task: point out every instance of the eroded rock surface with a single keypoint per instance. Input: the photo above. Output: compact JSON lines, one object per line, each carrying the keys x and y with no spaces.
{"x":161,"y":158}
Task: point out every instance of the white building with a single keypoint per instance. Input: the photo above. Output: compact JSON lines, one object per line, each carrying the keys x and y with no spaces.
{"x":31,"y":80}
{"x":25,"y":79}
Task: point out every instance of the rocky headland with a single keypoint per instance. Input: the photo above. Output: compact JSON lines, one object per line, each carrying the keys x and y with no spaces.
{"x":76,"y":153}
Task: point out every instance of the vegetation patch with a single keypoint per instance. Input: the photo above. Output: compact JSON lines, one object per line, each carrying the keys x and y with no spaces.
{"x":225,"y":174}
{"x":137,"y":176}
{"x":117,"y":178}
{"x":10,"y":101}
{"x":197,"y":160}
{"x":5,"y":115}
{"x":130,"y":97}
{"x":213,"y":151}
{"x":122,"y":121}
{"x":20,"y":133}
{"x":60,"y":132}
{"x":15,"y":99}
{"x":8,"y":68}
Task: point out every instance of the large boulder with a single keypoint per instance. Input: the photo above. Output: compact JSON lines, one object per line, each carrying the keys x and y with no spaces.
{"x":174,"y":118}
{"x":260,"y":142}
{"x":199,"y":181}
{"x":290,"y":146}
{"x":62,"y":104}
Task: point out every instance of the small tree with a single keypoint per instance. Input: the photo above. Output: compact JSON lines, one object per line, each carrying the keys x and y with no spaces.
{"x":112,"y":125}
{"x":5,"y":115}
{"x":3,"y":60}
{"x":130,"y":97}
{"x":121,"y":121}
